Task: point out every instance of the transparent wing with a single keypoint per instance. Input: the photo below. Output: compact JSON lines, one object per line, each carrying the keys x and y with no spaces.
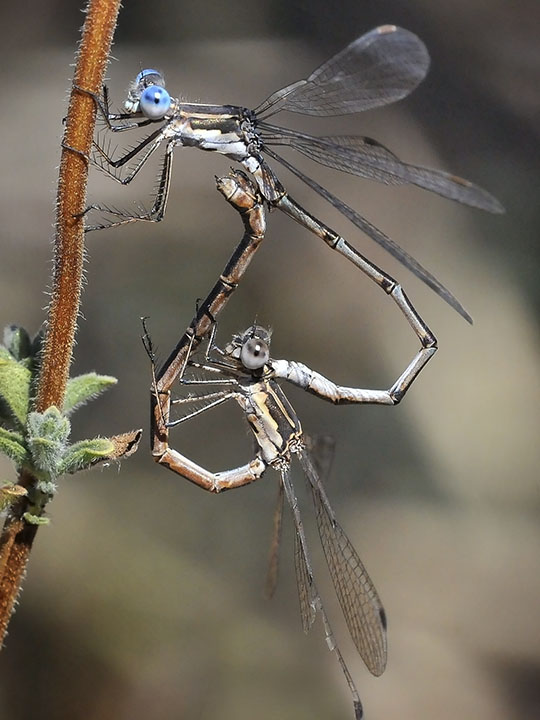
{"x":322,"y":450}
{"x":362,"y":608}
{"x":378,"y":68}
{"x":366,"y":158}
{"x":359,"y":600}
{"x":310,"y":600}
{"x":307,"y":593}
{"x":273,"y":556}
{"x":304,"y":584}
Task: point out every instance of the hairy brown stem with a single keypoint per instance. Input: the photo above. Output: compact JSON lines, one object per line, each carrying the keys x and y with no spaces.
{"x":101,"y":15}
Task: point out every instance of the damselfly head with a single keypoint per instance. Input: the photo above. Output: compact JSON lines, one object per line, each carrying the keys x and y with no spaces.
{"x":148,"y":96}
{"x":252,"y":347}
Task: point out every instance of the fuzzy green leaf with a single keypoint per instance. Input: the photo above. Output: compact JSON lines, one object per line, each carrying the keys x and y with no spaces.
{"x":86,"y":387}
{"x":35,"y":519}
{"x":14,"y":385}
{"x":17,"y":341}
{"x":12,"y":445}
{"x":47,"y":434}
{"x":83,"y":454}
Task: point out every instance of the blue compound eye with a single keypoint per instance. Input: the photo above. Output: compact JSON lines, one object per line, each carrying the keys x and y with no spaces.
{"x":154,"y":102}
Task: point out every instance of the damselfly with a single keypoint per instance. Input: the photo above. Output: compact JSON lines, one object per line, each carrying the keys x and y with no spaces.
{"x":244,"y":372}
{"x":378,"y":68}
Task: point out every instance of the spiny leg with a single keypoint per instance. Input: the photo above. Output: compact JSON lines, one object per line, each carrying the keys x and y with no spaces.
{"x":103,"y":108}
{"x":159,"y":421}
{"x":211,"y":400}
{"x":157,"y":211}
{"x":148,"y":144}
{"x":102,"y":160}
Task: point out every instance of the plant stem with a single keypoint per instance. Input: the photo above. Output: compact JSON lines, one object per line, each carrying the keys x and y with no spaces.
{"x":71,"y":202}
{"x":100,"y":22}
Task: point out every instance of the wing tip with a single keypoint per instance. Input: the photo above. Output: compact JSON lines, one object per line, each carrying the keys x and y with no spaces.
{"x":464,"y":314}
{"x":480,"y":198}
{"x":496,"y":207}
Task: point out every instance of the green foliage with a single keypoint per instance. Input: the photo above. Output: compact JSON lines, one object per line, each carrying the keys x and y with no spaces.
{"x":39,"y":442}
{"x":83,"y":388}
{"x":32,"y":519}
{"x":47,"y":434}
{"x":14,"y":388}
{"x":85,"y":453}
{"x":12,"y":444}
{"x":17,"y":342}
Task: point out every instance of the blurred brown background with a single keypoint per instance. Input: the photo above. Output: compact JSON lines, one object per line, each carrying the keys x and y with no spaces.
{"x":144,"y":595}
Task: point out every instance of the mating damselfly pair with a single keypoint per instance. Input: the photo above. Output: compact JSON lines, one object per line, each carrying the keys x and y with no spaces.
{"x":378,"y":68}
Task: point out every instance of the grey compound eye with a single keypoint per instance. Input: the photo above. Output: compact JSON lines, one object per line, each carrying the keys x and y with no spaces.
{"x":254,"y":354}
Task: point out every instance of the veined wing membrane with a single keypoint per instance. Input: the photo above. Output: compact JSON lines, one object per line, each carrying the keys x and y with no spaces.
{"x":359,"y":600}
{"x":310,"y":600}
{"x":304,"y":584}
{"x":378,"y":68}
{"x":304,"y":575}
{"x":273,"y":555}
{"x":366,"y":158}
{"x":363,"y":156}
